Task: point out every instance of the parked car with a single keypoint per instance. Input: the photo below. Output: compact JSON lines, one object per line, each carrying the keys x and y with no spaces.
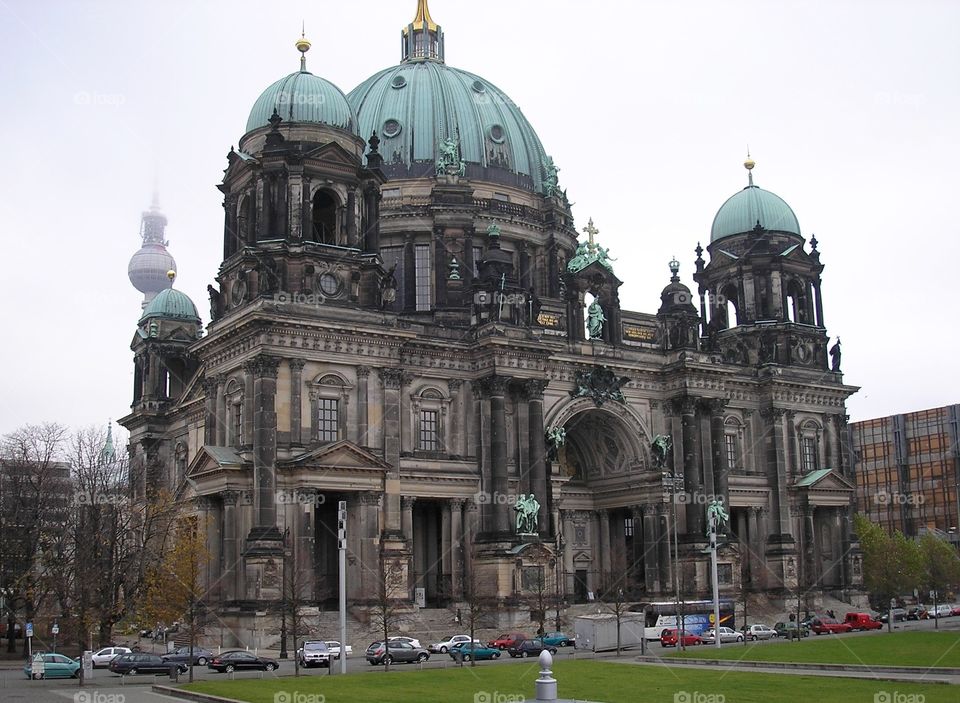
{"x":760,"y":632}
{"x":862,"y":621}
{"x":240,"y":661}
{"x":445,"y":644}
{"x":473,"y":650}
{"x":102,"y":657}
{"x":789,"y":630}
{"x":181,"y":655}
{"x":670,"y":638}
{"x":530,"y":648}
{"x":557,"y":639}
{"x":507,"y":640}
{"x":142,"y":663}
{"x":899,"y":615}
{"x":955,"y":609}
{"x":829,"y":626}
{"x":55,"y":666}
{"x":726,"y":635}
{"x":918,"y":612}
{"x":409,"y":640}
{"x":314,"y":653}
{"x":334,"y":647}
{"x":942,"y":611}
{"x":399,"y":652}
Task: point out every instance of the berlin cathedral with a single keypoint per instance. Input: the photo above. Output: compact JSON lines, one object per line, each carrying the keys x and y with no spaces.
{"x":407,"y":319}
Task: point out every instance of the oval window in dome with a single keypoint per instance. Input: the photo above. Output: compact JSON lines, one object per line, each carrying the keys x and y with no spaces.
{"x":478,"y":87}
{"x":391,"y":128}
{"x":497,"y":134}
{"x":398,"y":82}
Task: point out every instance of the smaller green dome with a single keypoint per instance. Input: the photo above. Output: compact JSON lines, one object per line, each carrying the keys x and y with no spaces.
{"x":171,"y":304}
{"x":303,"y":97}
{"x":750,"y":206}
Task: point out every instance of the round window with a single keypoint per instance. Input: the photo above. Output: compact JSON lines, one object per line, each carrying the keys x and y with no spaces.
{"x":398,"y":82}
{"x":329,"y":284}
{"x":497,"y":134}
{"x":391,"y":128}
{"x":478,"y":87}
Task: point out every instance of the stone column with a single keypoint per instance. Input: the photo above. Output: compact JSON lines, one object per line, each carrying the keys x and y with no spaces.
{"x":539,"y":478}
{"x":296,"y":401}
{"x":445,"y":560}
{"x":221,"y":412}
{"x":263,"y":369}
{"x":231,"y":551}
{"x":496,"y":387}
{"x":651,"y":575}
{"x":793,"y":464}
{"x":406,"y":521}
{"x":456,"y":430}
{"x":603,"y":530}
{"x":369,"y":529}
{"x":363,"y":416}
{"x":392,"y":380}
{"x":664,"y":531}
{"x":754,"y":547}
{"x":568,"y":531}
{"x":457,"y":547}
{"x":247,"y":407}
{"x":749,"y":455}
{"x":686,"y":408}
{"x":210,"y":411}
{"x":776,"y":470}
{"x":721,"y":472}
{"x":471,"y":527}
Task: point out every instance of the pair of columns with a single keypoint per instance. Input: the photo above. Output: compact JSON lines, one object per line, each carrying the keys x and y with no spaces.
{"x":456,"y":532}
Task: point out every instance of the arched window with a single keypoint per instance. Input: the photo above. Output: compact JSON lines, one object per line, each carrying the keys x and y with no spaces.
{"x":179,"y":464}
{"x":733,"y":431}
{"x":234,"y":404}
{"x":245,"y":222}
{"x":728,"y":302}
{"x":796,"y":308}
{"x":808,"y":438}
{"x":324,"y":217}
{"x":328,"y":402}
{"x":429,"y":416}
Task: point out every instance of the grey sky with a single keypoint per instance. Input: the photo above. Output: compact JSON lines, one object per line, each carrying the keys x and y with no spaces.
{"x":851,"y":110}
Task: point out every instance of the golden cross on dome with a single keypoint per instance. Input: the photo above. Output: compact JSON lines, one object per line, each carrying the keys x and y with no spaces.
{"x":590,"y":230}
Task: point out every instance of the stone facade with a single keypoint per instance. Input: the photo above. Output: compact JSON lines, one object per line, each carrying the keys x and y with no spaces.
{"x":405,"y":344}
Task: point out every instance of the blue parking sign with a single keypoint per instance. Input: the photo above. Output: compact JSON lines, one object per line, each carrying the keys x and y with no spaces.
{"x":29,"y":629}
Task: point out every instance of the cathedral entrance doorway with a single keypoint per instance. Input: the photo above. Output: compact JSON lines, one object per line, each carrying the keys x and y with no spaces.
{"x":325,"y":555}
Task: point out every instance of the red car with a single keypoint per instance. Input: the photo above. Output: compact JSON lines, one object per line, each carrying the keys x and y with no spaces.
{"x":669,"y":638}
{"x":862,"y":621}
{"x":508,"y":640}
{"x":829,"y":626}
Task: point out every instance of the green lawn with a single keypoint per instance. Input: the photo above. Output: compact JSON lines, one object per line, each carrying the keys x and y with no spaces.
{"x":591,"y":680}
{"x":928,"y":649}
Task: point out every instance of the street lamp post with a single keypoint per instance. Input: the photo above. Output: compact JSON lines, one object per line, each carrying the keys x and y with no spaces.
{"x":674,"y":480}
{"x":283,"y":597}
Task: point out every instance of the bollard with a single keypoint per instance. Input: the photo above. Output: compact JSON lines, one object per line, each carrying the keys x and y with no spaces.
{"x":546,"y":684}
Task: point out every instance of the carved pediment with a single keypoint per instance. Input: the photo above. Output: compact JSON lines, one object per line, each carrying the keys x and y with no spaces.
{"x":210,"y":457}
{"x":338,"y":455}
{"x":333,"y":154}
{"x":582,"y":558}
{"x":824,"y":480}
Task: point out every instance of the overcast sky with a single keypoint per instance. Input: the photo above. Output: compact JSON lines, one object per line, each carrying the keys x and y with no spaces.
{"x":850,"y":109}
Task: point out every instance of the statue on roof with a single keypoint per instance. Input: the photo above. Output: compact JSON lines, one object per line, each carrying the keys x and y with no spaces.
{"x":595,"y":320}
{"x":835,"y":356}
{"x":550,"y":181}
{"x":448,"y":161}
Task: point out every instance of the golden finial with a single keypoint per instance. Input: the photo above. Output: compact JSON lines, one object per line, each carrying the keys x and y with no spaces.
{"x":303,"y":46}
{"x":171,"y":274}
{"x":423,"y":17}
{"x":749,"y":164}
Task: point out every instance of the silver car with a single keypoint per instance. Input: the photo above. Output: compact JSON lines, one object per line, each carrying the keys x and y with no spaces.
{"x":726,"y":635}
{"x":761,"y":632}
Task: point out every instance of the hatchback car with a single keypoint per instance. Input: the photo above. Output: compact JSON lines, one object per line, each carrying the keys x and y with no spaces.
{"x":55,"y":666}
{"x":401,"y":638}
{"x":760,"y":632}
{"x":942,"y":611}
{"x":862,"y":621}
{"x":445,"y":644}
{"x":102,"y":658}
{"x":507,"y":640}
{"x":829,"y":626}
{"x":726,"y":635}
{"x":241,"y":661}
{"x":473,"y":650}
{"x":181,"y":655}
{"x":670,"y":638}
{"x":398,"y":652}
{"x":789,"y":630}
{"x":530,"y":648}
{"x":557,"y":639}
{"x":141,"y":663}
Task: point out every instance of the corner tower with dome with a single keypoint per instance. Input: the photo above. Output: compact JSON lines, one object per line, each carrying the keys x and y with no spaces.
{"x":405,"y":319}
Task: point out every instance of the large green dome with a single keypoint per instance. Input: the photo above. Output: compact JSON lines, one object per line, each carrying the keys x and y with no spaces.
{"x":303,"y":97}
{"x":752,"y":205}
{"x":171,"y":304}
{"x":417,"y":104}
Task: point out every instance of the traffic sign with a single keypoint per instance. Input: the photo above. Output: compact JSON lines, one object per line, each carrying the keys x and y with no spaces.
{"x":29,"y":629}
{"x":55,"y":629}
{"x":36,"y":668}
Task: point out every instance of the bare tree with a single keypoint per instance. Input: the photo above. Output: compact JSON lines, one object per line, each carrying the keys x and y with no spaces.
{"x":387,"y":607}
{"x":476,"y":595}
{"x":34,"y":497}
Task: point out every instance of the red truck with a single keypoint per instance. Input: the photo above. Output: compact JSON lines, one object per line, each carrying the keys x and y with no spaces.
{"x":862,"y":621}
